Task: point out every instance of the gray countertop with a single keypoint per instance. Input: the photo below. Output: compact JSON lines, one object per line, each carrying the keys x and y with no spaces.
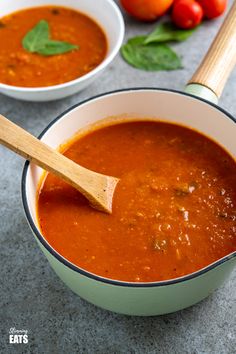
{"x":32,"y":297}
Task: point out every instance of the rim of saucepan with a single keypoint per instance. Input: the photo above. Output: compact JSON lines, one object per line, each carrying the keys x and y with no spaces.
{"x":91,"y":73}
{"x":82,"y":271}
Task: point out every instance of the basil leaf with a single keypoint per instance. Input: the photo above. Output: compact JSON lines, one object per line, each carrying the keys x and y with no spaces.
{"x":56,"y":47}
{"x":151,"y":57}
{"x":36,"y":37}
{"x":166,"y":32}
{"x":137,"y":40}
{"x":38,"y":41}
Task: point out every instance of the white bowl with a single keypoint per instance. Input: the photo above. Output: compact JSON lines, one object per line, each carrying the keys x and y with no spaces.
{"x":105,"y":12}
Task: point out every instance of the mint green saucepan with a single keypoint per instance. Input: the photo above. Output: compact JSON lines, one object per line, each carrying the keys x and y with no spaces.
{"x":197,"y":109}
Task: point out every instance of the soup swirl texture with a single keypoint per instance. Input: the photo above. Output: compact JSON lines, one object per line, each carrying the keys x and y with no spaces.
{"x":174,"y":209}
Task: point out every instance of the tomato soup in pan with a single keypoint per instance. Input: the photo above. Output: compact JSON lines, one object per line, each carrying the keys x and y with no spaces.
{"x":174,"y":209}
{"x":20,"y":67}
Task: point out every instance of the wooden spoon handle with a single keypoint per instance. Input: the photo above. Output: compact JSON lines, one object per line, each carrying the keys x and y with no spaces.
{"x":221,"y":57}
{"x":97,"y":188}
{"x":32,"y":149}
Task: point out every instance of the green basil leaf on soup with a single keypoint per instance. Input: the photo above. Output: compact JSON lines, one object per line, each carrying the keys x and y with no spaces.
{"x":38,"y":41}
{"x":56,"y":47}
{"x":36,"y":37}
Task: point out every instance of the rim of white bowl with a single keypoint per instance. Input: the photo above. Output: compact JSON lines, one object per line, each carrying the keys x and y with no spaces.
{"x":82,"y":271}
{"x":91,"y":73}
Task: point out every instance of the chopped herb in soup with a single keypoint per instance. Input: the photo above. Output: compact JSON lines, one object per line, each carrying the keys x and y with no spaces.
{"x":174,"y":208}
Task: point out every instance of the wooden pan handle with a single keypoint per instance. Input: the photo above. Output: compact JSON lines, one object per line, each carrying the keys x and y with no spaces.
{"x":221,"y":57}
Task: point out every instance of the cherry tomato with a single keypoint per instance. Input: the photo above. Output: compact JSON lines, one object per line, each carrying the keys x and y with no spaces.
{"x":146,"y":10}
{"x":187,"y":13}
{"x":213,"y":8}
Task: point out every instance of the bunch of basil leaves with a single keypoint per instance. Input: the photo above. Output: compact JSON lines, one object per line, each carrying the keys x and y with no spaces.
{"x":151,"y":52}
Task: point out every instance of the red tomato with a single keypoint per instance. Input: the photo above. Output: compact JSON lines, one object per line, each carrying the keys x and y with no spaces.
{"x":146,"y":10}
{"x":187,"y":13}
{"x":213,"y":8}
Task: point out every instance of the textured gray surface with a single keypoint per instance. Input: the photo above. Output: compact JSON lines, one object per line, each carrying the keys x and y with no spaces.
{"x":31,"y":295}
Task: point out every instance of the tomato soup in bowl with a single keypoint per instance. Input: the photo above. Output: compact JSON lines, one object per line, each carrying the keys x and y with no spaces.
{"x":170,"y":240}
{"x":33,"y":67}
{"x":174,"y":209}
{"x":51,"y":51}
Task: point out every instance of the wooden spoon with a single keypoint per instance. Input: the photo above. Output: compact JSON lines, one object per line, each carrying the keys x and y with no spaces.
{"x":97,"y":188}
